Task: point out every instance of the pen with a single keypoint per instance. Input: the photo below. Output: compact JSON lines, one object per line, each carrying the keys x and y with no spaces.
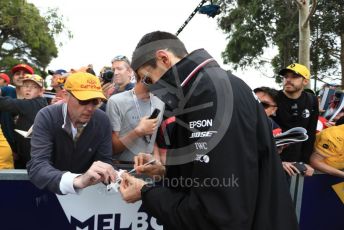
{"x":134,"y":170}
{"x":148,"y":163}
{"x":118,"y":180}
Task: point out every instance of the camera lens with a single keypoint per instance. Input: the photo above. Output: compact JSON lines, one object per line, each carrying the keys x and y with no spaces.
{"x":107,"y":76}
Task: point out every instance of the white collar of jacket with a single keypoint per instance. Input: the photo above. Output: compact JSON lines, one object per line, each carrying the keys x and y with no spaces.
{"x":168,"y":87}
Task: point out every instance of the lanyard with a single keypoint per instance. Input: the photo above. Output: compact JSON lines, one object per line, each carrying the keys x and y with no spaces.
{"x":138,"y":109}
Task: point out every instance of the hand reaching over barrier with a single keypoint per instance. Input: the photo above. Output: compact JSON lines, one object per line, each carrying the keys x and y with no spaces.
{"x":98,"y":172}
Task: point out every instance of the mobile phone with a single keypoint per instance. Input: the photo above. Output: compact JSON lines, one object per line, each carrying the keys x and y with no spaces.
{"x":155,"y":114}
{"x":301,"y":167}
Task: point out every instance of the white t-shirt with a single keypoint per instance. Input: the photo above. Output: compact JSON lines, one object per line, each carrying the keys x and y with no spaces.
{"x":125,"y":111}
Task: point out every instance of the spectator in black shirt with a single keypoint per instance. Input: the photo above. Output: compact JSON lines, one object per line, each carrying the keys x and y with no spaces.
{"x":268,"y":98}
{"x":297,"y":108}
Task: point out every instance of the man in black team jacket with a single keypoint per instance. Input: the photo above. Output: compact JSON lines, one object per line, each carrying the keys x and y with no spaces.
{"x":222,"y":169}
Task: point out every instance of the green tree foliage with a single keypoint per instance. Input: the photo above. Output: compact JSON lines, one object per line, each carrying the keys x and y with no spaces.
{"x":247,"y":24}
{"x":26,"y":36}
{"x":253,"y":25}
{"x":327,"y":52}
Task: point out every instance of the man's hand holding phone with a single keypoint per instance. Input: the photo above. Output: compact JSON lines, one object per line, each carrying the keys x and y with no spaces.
{"x":294,"y":168}
{"x":155,"y":114}
{"x":148,"y":125}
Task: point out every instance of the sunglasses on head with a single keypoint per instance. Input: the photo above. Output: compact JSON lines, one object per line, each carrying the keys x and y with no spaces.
{"x":267,"y":105}
{"x":95,"y":101}
{"x":120,"y":58}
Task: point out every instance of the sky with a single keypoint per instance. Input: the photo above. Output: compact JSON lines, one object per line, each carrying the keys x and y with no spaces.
{"x":103,"y":29}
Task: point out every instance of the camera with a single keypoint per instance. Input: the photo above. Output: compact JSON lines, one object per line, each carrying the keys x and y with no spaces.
{"x":107,"y":76}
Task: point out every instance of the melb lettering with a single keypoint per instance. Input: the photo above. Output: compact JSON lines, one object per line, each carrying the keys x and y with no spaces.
{"x":113,"y":221}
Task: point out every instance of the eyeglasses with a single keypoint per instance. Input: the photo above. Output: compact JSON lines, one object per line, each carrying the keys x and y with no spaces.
{"x":120,"y":58}
{"x":266,"y":105}
{"x":95,"y":101}
{"x":147,"y":80}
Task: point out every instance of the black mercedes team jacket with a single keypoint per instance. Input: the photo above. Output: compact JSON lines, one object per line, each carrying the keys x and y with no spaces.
{"x":223,"y":170}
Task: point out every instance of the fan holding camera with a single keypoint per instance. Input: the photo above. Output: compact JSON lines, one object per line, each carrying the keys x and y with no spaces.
{"x":106,"y":77}
{"x":117,"y":78}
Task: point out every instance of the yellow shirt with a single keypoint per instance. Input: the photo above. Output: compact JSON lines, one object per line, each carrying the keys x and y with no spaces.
{"x":6,"y":157}
{"x":330,"y":144}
